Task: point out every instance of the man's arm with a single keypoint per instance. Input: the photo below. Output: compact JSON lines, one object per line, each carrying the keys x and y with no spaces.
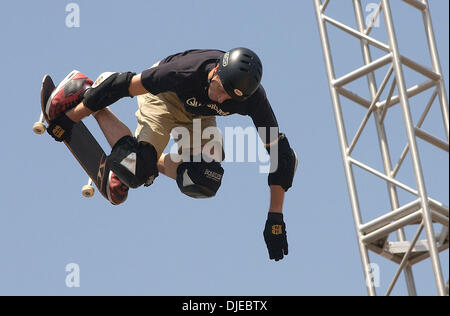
{"x":111,"y":87}
{"x":136,"y":88}
{"x":79,"y":112}
{"x":283,"y":165}
{"x":276,"y":199}
{"x":279,"y":181}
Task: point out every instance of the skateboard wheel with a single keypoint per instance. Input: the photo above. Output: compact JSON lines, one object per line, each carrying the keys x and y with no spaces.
{"x":39,"y":128}
{"x":88,"y":191}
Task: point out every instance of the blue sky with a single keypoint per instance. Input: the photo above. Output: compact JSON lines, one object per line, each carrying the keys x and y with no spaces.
{"x":161,"y":242}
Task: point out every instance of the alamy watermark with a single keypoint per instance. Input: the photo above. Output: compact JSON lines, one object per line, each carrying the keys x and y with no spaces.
{"x":240,"y":145}
{"x":73,"y":16}
{"x":373,"y":16}
{"x":73,"y":275}
{"x":373,"y":272}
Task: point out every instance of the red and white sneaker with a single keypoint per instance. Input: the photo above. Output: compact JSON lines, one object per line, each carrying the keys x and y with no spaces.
{"x":116,"y":190}
{"x":67,"y":94}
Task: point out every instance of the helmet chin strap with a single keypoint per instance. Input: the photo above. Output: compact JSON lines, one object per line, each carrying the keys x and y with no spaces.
{"x":211,"y":77}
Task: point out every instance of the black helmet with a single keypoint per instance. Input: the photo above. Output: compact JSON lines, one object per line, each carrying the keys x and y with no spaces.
{"x":240,"y":71}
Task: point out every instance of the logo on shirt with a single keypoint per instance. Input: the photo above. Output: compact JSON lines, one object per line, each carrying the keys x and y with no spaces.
{"x":194,"y":103}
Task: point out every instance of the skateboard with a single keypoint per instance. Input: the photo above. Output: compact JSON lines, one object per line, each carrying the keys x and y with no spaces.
{"x":82,"y":145}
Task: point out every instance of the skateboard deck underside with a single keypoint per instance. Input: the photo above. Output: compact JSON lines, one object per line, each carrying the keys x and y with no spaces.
{"x":83,"y":145}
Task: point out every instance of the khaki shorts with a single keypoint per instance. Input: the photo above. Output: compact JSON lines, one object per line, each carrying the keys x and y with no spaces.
{"x":157,"y":117}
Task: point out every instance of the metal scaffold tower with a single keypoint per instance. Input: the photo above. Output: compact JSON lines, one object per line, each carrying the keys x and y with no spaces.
{"x":424,"y":216}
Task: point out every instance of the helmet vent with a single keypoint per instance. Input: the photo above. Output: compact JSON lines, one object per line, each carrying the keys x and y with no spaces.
{"x":243,"y":69}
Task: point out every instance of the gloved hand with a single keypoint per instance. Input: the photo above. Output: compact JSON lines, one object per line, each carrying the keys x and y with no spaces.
{"x":61,"y":128}
{"x":275,"y":236}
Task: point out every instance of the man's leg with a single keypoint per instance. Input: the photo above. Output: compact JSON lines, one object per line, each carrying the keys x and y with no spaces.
{"x":199,"y":175}
{"x":111,"y":126}
{"x":168,"y":164}
{"x":79,"y":112}
{"x":113,"y":129}
{"x":129,"y":160}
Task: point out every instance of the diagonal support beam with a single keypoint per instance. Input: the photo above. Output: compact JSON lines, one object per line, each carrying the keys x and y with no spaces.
{"x":404,"y":260}
{"x":382,"y":176}
{"x":354,"y":97}
{"x":369,"y":112}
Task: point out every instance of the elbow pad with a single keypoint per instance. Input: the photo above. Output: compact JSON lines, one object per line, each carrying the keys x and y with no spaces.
{"x":107,"y":89}
{"x":286,"y":163}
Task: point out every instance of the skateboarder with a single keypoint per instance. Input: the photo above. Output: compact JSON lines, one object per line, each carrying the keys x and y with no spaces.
{"x":195,"y":84}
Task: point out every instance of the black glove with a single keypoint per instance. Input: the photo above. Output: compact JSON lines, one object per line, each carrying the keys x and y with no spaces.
{"x":61,"y":128}
{"x":275,"y":236}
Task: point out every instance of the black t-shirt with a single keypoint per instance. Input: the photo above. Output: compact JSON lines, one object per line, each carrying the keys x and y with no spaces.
{"x":186,"y":74}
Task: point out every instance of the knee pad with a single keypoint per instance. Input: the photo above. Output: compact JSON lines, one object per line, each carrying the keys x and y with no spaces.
{"x":133,"y":163}
{"x":199,"y":179}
